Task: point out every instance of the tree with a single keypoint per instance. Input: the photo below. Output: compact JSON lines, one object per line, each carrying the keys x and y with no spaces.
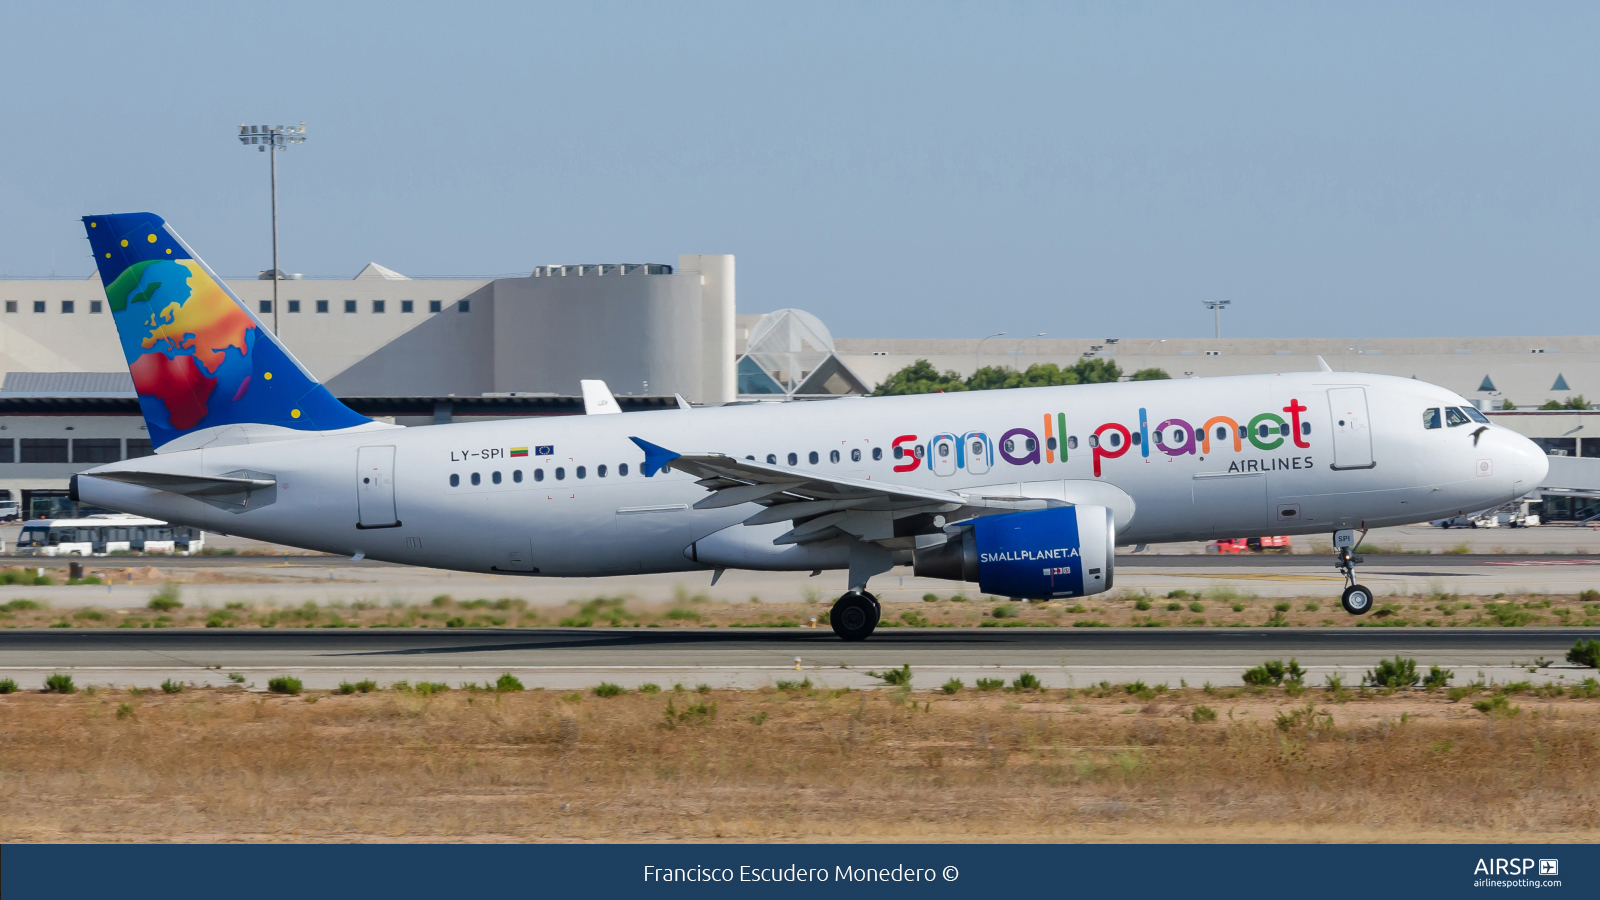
{"x":919,"y":378}
{"x":1552,"y":404}
{"x":1576,"y":401}
{"x":1150,"y":375}
{"x":1507,"y":405}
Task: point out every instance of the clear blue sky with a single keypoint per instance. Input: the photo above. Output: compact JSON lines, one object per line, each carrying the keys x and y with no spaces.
{"x":905,"y":170}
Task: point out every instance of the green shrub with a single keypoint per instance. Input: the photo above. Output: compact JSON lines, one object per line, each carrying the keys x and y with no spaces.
{"x":1179,"y":594}
{"x":20,"y":605}
{"x":649,"y":688}
{"x":1143,"y":603}
{"x":90,"y":614}
{"x":284,"y":684}
{"x":803,"y":684}
{"x":171,"y":687}
{"x":702,"y":688}
{"x":166,"y":599}
{"x":364,"y":686}
{"x":8,"y":686}
{"x":507,"y":683}
{"x":953,"y":686}
{"x":958,"y":598}
{"x":1585,"y":653}
{"x":1238,"y":607}
{"x":1282,"y":607}
{"x":455,"y":622}
{"x":1025,"y":682}
{"x":681,"y":614}
{"x":1203,"y":714}
{"x":900,"y":677}
{"x":991,"y":684}
{"x":1174,"y":606}
{"x":236,"y":677}
{"x":1589,"y":596}
{"x":124,"y":711}
{"x":1197,"y":607}
{"x":1312,"y":606}
{"x":930,"y":598}
{"x":1497,"y":705}
{"x":429,"y":688}
{"x":607,"y":689}
{"x":60,"y":683}
{"x":1003,"y":612}
{"x":1437,"y":677}
{"x":1589,"y":687}
{"x":1394,"y":673}
{"x":1274,"y":672}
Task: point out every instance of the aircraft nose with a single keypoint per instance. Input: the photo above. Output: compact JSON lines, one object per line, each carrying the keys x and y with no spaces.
{"x":1528,"y":463}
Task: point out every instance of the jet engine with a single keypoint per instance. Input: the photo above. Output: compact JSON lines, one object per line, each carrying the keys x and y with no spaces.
{"x":1066,"y":551}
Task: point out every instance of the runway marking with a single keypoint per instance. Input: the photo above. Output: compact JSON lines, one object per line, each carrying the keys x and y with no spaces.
{"x":1246,"y":576}
{"x":1542,"y":562}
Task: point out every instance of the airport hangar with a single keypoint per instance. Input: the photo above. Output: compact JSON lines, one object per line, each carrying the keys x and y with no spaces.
{"x":426,"y":351}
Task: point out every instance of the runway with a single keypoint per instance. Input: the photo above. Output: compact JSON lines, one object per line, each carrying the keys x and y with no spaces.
{"x":751,"y":658}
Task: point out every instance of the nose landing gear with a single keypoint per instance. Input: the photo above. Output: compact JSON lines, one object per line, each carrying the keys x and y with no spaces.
{"x":855,"y":616}
{"x":1357,"y":598}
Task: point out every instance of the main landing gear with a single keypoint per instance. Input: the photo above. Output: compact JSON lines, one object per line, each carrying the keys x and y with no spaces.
{"x":855,"y":615}
{"x":1357,"y":598}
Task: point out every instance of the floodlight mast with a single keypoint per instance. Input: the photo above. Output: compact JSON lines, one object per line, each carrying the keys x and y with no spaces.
{"x":275,"y":138}
{"x":1217,"y":306}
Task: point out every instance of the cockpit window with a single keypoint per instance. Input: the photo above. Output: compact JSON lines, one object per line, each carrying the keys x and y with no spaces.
{"x":1474,"y":415}
{"x":1454,"y":417}
{"x":1430,"y":418}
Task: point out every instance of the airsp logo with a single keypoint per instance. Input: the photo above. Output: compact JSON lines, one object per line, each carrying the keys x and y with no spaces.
{"x":1549,"y":867}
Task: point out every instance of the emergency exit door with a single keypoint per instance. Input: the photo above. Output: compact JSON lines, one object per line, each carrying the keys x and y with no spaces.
{"x":1352,"y":432}
{"x":375,"y":488}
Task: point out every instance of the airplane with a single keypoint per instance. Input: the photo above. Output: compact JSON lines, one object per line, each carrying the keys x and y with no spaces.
{"x":1026,"y":492}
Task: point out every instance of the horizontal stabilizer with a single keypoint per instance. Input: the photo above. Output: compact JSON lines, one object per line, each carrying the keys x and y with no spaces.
{"x":190,"y":485}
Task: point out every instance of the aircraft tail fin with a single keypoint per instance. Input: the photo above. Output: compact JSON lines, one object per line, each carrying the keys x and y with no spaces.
{"x":199,"y":357}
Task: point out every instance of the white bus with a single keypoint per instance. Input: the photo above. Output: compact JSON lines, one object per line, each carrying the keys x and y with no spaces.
{"x":103,"y":534}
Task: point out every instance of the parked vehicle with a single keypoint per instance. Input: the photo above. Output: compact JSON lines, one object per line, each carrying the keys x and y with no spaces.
{"x":1279,"y":544}
{"x":10,"y":511}
{"x":106,"y":534}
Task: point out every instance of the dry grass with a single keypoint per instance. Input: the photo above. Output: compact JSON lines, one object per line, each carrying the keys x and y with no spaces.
{"x":796,"y":765}
{"x":1217,"y":608}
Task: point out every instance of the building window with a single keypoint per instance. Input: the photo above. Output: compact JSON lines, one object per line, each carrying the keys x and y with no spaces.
{"x":38,"y":306}
{"x":408,"y":306}
{"x":138,"y":447}
{"x":96,"y":450}
{"x":349,"y":306}
{"x":294,"y":306}
{"x":435,"y":306}
{"x":464,"y":306}
{"x":11,"y":306}
{"x":322,"y":306}
{"x":266,"y":307}
{"x":377,"y":306}
{"x":44,"y":450}
{"x":96,"y":306}
{"x":8,"y":450}
{"x":67,"y":307}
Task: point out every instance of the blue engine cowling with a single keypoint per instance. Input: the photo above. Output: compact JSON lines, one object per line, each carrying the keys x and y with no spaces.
{"x":1043,"y":554}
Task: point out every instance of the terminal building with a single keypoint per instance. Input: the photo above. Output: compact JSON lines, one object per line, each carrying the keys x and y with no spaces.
{"x":424,"y":351}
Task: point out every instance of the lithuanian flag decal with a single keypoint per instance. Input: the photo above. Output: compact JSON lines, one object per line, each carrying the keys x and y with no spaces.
{"x":519,"y":451}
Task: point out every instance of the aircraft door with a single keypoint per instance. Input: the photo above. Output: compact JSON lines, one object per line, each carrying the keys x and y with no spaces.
{"x":942,"y":454}
{"x":375,"y":488}
{"x":1352,"y":434}
{"x":977,"y":452}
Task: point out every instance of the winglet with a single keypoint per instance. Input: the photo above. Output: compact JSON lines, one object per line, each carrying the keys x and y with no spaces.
{"x":655,"y":458}
{"x":1323,"y":365}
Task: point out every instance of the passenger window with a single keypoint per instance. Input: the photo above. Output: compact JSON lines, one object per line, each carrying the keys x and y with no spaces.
{"x":1305,"y":427}
{"x":812,"y":457}
{"x":1116,"y":439}
{"x":900,"y":452}
{"x":476,"y":479}
{"x":833,"y":456}
{"x":1010,"y":446}
{"x":516,"y":475}
{"x":1072,"y":443}
{"x":1454,"y":417}
{"x":1222,"y":433}
{"x":793,"y":460}
{"x":918,"y":451}
{"x":581,"y":472}
{"x":944,"y":449}
{"x":455,"y":481}
{"x":1136,"y":437}
{"x":1284,"y":429}
{"x":772,"y":459}
{"x":495,"y":478}
{"x":1474,"y":415}
{"x":1094,"y":440}
{"x":1050,"y":443}
{"x":561,"y":473}
{"x":1430,"y":418}
{"x":855,"y":455}
{"x":538,"y":474}
{"x":622,"y":470}
{"x":877,"y":453}
{"x":600,"y":471}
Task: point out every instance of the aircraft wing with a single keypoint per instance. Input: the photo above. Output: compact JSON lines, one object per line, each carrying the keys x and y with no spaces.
{"x":824,"y":506}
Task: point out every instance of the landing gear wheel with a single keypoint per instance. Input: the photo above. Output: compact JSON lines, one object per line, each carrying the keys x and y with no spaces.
{"x":1357,"y":600}
{"x":854,"y":617}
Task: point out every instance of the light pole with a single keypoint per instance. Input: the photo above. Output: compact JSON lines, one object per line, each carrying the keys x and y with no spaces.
{"x":275,"y":138}
{"x":1217,"y":306}
{"x":979,"y":354}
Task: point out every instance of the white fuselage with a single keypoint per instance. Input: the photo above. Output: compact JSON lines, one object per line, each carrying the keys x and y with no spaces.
{"x":1369,"y":466}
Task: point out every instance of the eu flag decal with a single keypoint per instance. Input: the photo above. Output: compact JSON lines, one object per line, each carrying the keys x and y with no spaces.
{"x":544,"y":450}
